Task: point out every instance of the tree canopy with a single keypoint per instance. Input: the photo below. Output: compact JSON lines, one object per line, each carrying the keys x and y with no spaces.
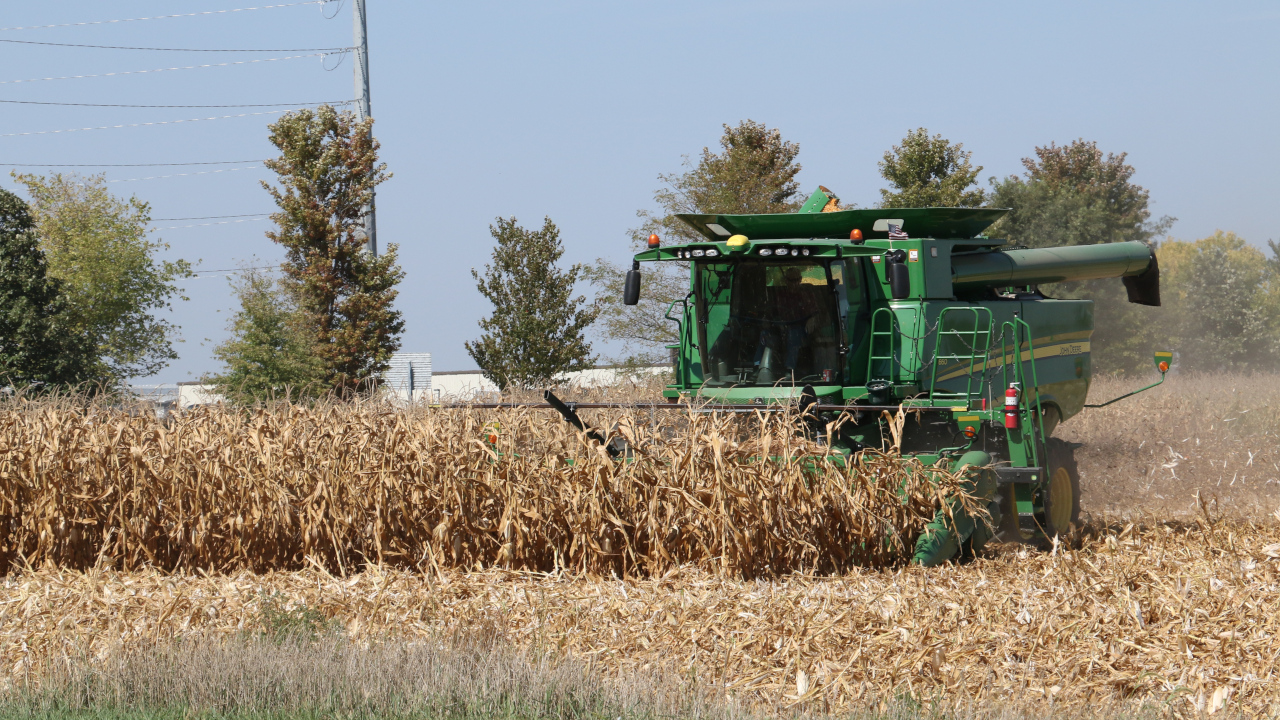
{"x":753,"y":172}
{"x":1077,"y":195}
{"x":38,"y":346}
{"x":537,"y":331}
{"x":96,"y":245}
{"x":929,"y":172}
{"x":326,"y":174}
{"x":271,"y":354}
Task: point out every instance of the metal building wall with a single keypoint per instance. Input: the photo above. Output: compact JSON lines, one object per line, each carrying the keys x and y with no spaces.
{"x":409,"y":376}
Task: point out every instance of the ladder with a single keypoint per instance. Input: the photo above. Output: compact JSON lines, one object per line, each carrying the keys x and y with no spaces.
{"x":889,"y":358}
{"x":961,"y":345}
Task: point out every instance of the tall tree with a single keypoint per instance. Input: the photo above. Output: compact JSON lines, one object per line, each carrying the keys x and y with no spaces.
{"x":537,"y":331}
{"x":754,"y":172}
{"x":38,"y":348}
{"x":326,"y":172}
{"x":929,"y":172}
{"x":97,"y":246}
{"x":271,"y":354}
{"x":1077,"y":195}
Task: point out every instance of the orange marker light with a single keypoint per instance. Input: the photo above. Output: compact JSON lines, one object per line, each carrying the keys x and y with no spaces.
{"x":1164,"y":367}
{"x":855,"y":234}
{"x":970,"y":431}
{"x":654,"y":241}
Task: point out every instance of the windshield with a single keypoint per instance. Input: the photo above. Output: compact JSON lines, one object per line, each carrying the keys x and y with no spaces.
{"x":768,"y":323}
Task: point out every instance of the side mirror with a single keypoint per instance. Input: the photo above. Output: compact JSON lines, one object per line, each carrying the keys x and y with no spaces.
{"x":631,"y":290}
{"x":895,"y":270}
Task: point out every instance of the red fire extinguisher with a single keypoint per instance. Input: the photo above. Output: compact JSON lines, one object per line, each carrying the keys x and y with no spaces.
{"x":1011,"y":407}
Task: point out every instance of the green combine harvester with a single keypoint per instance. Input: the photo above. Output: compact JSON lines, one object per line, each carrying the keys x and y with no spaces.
{"x":849,"y":313}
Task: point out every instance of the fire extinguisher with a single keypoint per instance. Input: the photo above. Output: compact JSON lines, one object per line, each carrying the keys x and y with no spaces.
{"x":1011,"y":407}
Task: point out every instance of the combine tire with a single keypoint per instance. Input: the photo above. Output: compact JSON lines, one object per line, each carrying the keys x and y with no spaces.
{"x":1061,"y":489}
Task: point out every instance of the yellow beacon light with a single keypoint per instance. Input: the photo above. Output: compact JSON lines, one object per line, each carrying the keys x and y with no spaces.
{"x":737,"y":241}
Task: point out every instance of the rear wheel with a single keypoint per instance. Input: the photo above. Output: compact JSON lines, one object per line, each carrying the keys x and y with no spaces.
{"x":1061,"y":491}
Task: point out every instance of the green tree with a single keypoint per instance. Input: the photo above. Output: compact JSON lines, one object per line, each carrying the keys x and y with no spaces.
{"x":1076,"y":195}
{"x":97,"y":246}
{"x":537,"y":330}
{"x":929,"y":172}
{"x":1221,"y":295}
{"x":37,"y":345}
{"x":327,"y":171}
{"x":754,"y":172}
{"x":271,"y":354}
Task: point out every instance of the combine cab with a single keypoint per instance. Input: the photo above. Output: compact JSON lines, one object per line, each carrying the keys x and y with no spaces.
{"x":853,"y":312}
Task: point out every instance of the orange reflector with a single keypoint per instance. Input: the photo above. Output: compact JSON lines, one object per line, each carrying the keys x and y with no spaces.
{"x":855,"y":234}
{"x":493,"y":439}
{"x":1164,"y":367}
{"x":970,"y":431}
{"x":654,"y":241}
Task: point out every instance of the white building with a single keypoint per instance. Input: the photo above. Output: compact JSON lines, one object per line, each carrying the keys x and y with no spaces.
{"x":462,"y":385}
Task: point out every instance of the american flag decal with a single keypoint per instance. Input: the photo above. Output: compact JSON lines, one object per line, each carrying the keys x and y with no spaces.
{"x":895,"y":233}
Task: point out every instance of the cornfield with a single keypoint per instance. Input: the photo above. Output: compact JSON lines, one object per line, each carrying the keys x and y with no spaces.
{"x":347,"y":486}
{"x":1178,"y":616}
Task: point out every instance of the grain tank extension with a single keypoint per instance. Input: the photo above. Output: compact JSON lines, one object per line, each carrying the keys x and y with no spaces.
{"x":850,"y":312}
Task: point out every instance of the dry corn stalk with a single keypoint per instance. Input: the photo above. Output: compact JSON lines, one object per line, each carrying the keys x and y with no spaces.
{"x":349,"y":485}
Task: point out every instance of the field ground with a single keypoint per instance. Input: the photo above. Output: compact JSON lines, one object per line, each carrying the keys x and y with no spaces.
{"x":1164,"y":605}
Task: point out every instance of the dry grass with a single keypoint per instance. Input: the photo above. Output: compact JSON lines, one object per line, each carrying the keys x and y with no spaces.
{"x":343,"y":486}
{"x":1213,"y":437}
{"x":1169,"y":615}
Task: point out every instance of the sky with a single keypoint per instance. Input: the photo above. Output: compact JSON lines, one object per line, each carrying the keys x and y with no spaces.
{"x":571,"y":110}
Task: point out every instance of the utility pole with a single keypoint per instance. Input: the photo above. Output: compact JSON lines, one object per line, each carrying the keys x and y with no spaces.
{"x":362,"y":93}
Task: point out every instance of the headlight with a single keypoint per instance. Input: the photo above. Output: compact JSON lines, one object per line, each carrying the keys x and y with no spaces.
{"x":698,"y":253}
{"x":766,"y":251}
{"x":795,"y":252}
{"x":713,"y":252}
{"x":805,"y":252}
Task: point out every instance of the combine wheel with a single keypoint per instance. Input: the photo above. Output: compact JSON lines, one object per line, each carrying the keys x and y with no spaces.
{"x":1061,"y":489}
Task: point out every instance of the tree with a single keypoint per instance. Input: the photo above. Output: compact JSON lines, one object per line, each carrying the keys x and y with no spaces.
{"x":271,"y":353}
{"x":929,"y":172}
{"x":37,"y":346}
{"x":754,"y":172}
{"x":1221,"y":295}
{"x":1076,"y":195}
{"x":97,"y":246}
{"x":327,"y":171}
{"x":537,"y":330}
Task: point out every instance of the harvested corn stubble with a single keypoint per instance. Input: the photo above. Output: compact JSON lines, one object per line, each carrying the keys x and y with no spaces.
{"x":345,"y":485}
{"x":1172,"y":615}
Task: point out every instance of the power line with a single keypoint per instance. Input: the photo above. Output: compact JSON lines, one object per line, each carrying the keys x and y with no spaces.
{"x":164,"y":49}
{"x":165,"y":17}
{"x":183,"y":67}
{"x":218,"y":162}
{"x":202,"y":172}
{"x":220,"y":222}
{"x":38,"y":102}
{"x":209,"y":217}
{"x":256,"y":267}
{"x":145,"y":124}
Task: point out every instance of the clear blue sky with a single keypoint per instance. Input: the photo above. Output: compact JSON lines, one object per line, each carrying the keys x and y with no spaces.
{"x":572,"y":110}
